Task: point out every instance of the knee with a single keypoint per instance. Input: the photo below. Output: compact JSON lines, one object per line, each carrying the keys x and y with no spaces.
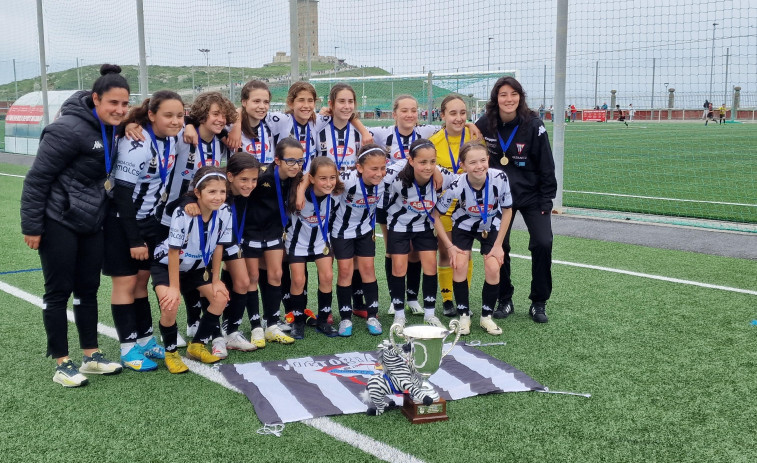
{"x":274,"y":277}
{"x":326,"y":277}
{"x":298,"y":282}
{"x":241,"y":284}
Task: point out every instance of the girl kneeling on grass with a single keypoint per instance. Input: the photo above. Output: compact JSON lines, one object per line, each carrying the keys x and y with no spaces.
{"x":307,"y":240}
{"x":183,"y":261}
{"x":483,"y":204}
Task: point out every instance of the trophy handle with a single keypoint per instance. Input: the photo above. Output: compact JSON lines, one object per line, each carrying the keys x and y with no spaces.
{"x":454,"y":326}
{"x":395,"y":328}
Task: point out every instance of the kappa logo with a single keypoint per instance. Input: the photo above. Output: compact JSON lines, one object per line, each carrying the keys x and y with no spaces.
{"x":520,"y":147}
{"x":266,"y":184}
{"x":97,"y":145}
{"x":542,"y":130}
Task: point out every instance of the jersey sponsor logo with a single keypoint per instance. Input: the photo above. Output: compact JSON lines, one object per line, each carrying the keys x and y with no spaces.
{"x":313,"y":220}
{"x":417,"y":206}
{"x":397,"y":155}
{"x":128,"y":169}
{"x":209,"y":162}
{"x":186,"y":173}
{"x":191,"y":256}
{"x":360,"y":202}
{"x":342,"y":152}
{"x":475,"y":210}
{"x":177,"y":236}
{"x":98,"y":145}
{"x":255,"y":148}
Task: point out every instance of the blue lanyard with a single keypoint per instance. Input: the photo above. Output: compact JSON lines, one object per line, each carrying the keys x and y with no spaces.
{"x":503,"y":145}
{"x":399,"y":140}
{"x":106,"y":143}
{"x":162,"y":163}
{"x":238,"y":229}
{"x":261,"y":128}
{"x":483,"y":209}
{"x":307,"y":141}
{"x":423,"y":200}
{"x":206,"y":253}
{"x":323,"y":225}
{"x":451,"y":156}
{"x":280,"y":198}
{"x":212,"y":147}
{"x":368,"y":204}
{"x":335,"y":146}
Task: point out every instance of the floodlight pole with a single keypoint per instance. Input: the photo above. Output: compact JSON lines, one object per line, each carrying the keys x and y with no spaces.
{"x":42,"y":64}
{"x":143,"y":84}
{"x":712,"y":63}
{"x":558,"y":145}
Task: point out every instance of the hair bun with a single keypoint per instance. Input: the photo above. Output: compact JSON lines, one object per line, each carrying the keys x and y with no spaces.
{"x":110,"y":69}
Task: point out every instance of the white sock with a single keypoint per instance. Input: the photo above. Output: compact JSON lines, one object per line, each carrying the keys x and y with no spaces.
{"x":399,"y":317}
{"x":143,"y":341}
{"x":126,"y":347}
{"x":428,"y":313}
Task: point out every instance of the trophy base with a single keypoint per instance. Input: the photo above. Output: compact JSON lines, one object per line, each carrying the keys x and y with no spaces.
{"x":419,"y":413}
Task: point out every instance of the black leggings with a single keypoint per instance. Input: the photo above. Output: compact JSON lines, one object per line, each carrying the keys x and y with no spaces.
{"x":71,"y":263}
{"x":540,"y":244}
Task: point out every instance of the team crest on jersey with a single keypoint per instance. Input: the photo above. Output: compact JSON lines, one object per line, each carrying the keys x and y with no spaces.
{"x":191,"y":158}
{"x":323,"y":146}
{"x":154,"y":163}
{"x":520,"y":147}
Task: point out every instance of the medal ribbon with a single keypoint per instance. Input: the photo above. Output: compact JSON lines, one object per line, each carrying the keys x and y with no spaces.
{"x":323,"y":225}
{"x":451,"y":156}
{"x":483,"y":209}
{"x":344,"y":147}
{"x":503,"y":145}
{"x":206,"y":253}
{"x":368,"y":205}
{"x":106,"y":144}
{"x":399,"y":140}
{"x":212,"y":147}
{"x":262,"y":142}
{"x":423,"y":199}
{"x":307,"y":139}
{"x":162,"y":163}
{"x":280,"y":198}
{"x":238,"y":228}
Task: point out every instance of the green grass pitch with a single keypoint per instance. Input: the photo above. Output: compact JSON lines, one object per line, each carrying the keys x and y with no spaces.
{"x":670,"y":368}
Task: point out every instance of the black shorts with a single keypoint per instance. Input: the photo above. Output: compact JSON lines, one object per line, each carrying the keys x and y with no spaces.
{"x":232,"y":252}
{"x":381,"y":216}
{"x":117,"y":261}
{"x":399,"y":242}
{"x":190,"y":280}
{"x":255,"y":249}
{"x":347,"y":248}
{"x":304,"y":259}
{"x":463,"y":239}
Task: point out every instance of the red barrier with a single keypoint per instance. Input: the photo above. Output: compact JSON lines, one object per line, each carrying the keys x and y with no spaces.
{"x":594,"y":115}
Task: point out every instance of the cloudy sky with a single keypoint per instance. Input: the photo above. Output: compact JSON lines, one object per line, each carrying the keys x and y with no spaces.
{"x":627,"y":38}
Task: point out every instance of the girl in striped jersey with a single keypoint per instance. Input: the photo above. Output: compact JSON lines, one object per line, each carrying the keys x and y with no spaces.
{"x":480,"y":202}
{"x":307,"y":240}
{"x":256,"y":136}
{"x":448,"y":141}
{"x":264,"y":230}
{"x":353,"y":235}
{"x":190,"y":258}
{"x":339,"y":140}
{"x":409,"y":202}
{"x":132,"y":230}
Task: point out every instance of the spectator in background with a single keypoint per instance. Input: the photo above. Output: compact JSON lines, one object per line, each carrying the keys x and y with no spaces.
{"x":631,"y":112}
{"x":541,"y":111}
{"x":706,"y":107}
{"x":722,"y":112}
{"x":573,"y":112}
{"x":604,"y":106}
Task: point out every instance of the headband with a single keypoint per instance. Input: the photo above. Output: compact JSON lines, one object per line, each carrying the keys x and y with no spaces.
{"x":364,"y":153}
{"x":211,"y":174}
{"x":425,"y":144}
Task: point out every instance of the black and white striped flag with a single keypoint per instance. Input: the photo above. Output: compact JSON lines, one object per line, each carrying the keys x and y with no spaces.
{"x":309,"y":387}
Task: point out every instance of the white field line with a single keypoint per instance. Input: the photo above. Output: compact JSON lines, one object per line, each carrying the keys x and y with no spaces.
{"x":12,"y":175}
{"x":327,"y":426}
{"x":659,"y":198}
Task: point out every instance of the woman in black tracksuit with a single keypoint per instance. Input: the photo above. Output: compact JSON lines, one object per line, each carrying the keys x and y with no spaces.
{"x":510,"y":127}
{"x":63,"y":206}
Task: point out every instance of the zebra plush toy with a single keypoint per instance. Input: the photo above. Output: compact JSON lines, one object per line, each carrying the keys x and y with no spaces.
{"x":398,"y":375}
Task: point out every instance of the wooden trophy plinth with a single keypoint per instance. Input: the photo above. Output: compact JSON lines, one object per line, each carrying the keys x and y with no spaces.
{"x":419,"y":413}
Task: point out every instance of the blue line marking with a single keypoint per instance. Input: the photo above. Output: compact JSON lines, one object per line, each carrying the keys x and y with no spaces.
{"x":21,"y":271}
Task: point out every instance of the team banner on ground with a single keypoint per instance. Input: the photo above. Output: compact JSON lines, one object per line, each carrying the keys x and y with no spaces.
{"x":298,"y":389}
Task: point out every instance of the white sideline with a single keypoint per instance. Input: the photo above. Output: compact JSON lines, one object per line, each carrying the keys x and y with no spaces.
{"x":325,"y":425}
{"x":12,"y":175}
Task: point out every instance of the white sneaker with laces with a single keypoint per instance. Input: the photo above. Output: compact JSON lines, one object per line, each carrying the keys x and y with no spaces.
{"x":464,"y":325}
{"x":219,"y":348}
{"x":488,"y":324}
{"x":258,"y":337}
{"x":97,"y":364}
{"x":345,"y":328}
{"x":433,"y":321}
{"x":415,"y":307}
{"x":237,"y":341}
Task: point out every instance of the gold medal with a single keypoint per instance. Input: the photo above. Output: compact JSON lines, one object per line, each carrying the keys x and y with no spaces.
{"x":435,"y":232}
{"x":164,"y":197}
{"x":108,"y":185}
{"x":374,"y":236}
{"x":484,"y":234}
{"x":504,"y":160}
{"x":325,"y":250}
{"x":284,"y":236}
{"x":239,"y":253}
{"x":206,"y":275}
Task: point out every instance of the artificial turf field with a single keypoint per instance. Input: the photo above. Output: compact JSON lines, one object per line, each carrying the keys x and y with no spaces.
{"x":670,"y":367}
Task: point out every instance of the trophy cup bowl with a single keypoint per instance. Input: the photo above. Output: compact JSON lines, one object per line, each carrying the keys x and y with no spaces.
{"x":426,"y":354}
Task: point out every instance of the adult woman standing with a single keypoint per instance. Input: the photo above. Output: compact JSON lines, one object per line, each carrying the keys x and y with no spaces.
{"x":63,"y":206}
{"x":518,"y":144}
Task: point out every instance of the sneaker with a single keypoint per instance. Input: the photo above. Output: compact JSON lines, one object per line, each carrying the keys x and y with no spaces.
{"x":219,"y":348}
{"x":360,"y":313}
{"x":192,"y":329}
{"x":390,"y":310}
{"x":136,"y":360}
{"x":374,"y":326}
{"x":464,"y":325}
{"x":345,"y":328}
{"x":433,"y":321}
{"x":175,"y":364}
{"x":97,"y":364}
{"x":399,"y":321}
{"x":258,"y":337}
{"x":237,"y":341}
{"x":298,"y":330}
{"x":152,"y":349}
{"x":284,"y":326}
{"x":415,"y":308}
{"x":488,"y":324}
{"x":504,"y":309}
{"x":449,"y":309}
{"x":538,"y":312}
{"x":274,"y":334}
{"x":326,"y":328}
{"x":198,"y":351}
{"x":67,"y":375}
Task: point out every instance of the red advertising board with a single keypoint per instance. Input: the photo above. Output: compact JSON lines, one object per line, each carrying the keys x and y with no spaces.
{"x":594,"y":115}
{"x":24,"y":114}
